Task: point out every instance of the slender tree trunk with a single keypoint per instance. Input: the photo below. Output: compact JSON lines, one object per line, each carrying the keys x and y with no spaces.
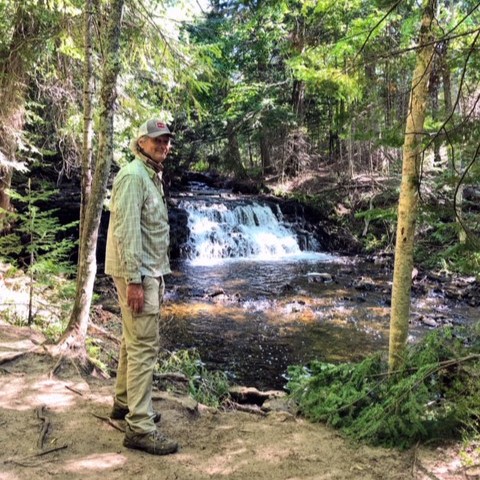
{"x":265,"y":153}
{"x":408,"y":202}
{"x":87,"y":117}
{"x":298,"y":91}
{"x":458,"y":164}
{"x":434,"y":88}
{"x":75,"y":334}
{"x":233,"y":156}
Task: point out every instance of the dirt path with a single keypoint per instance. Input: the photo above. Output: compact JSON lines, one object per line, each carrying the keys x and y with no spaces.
{"x":225,"y":445}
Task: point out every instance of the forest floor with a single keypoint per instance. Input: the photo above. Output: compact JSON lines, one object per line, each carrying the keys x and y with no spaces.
{"x":54,"y":424}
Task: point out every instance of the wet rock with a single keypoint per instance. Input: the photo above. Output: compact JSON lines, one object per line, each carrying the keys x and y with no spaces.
{"x":364,"y":283}
{"x":287,"y":288}
{"x":295,"y":307}
{"x":280,"y":404}
{"x":253,"y":396}
{"x":315,"y":277}
{"x":430,"y":322}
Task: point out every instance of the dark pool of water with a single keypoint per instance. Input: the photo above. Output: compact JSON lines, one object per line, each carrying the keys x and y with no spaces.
{"x":253,"y":319}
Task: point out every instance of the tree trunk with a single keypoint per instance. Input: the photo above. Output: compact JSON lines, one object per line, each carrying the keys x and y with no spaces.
{"x":298,"y":91}
{"x":265,"y":153}
{"x":88,"y":88}
{"x":408,"y":201}
{"x":233,"y":157}
{"x":75,"y":334}
{"x":434,"y":88}
{"x":457,"y":164}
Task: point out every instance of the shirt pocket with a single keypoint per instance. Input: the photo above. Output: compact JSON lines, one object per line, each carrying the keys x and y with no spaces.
{"x":154,"y":210}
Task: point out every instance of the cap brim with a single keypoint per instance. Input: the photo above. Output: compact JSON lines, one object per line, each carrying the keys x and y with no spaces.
{"x":160,"y":134}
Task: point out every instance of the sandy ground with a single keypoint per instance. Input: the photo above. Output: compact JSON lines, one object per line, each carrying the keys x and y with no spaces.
{"x":214,"y":445}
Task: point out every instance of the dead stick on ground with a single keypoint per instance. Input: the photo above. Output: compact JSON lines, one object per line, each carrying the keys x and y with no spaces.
{"x":109,"y":421}
{"x":74,"y":390}
{"x":19,"y":461}
{"x":247,"y":408}
{"x":46,"y":425}
{"x":56,"y":367}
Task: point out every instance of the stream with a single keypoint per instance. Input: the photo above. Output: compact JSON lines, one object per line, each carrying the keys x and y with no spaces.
{"x":252,"y":301}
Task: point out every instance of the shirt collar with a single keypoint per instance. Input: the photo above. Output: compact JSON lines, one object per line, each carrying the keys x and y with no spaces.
{"x":154,"y":169}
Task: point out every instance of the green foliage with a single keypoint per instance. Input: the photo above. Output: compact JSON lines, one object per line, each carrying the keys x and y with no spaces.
{"x":435,"y":394}
{"x":36,"y":235}
{"x":209,"y":388}
{"x":35,"y":245}
{"x":94,"y":351}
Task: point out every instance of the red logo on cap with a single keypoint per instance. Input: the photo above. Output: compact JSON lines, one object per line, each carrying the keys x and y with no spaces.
{"x":161,"y":125}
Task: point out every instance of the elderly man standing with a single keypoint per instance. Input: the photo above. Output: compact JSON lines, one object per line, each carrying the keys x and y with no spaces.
{"x":137,"y":259}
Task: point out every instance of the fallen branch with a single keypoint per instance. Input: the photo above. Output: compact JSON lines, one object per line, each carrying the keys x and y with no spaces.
{"x":19,"y":461}
{"x":74,"y":390}
{"x":109,"y":421}
{"x":45,"y":427}
{"x":104,"y":333}
{"x":255,"y":409}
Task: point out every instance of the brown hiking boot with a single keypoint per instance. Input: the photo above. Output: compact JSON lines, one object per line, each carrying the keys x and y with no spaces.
{"x":119,"y":413}
{"x":154,"y":442}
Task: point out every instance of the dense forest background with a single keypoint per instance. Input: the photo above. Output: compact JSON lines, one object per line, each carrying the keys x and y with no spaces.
{"x":269,"y":92}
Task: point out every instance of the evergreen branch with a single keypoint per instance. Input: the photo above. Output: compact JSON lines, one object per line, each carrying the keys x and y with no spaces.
{"x":370,"y":33}
{"x":457,"y":188}
{"x":463,"y":19}
{"x":440,"y":365}
{"x":399,"y":52}
{"x":460,"y":87}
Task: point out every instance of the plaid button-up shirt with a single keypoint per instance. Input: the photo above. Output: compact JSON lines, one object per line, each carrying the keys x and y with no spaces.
{"x":138,"y":231}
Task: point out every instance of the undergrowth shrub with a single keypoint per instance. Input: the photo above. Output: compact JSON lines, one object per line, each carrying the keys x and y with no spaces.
{"x":435,"y":395}
{"x":205,"y":386}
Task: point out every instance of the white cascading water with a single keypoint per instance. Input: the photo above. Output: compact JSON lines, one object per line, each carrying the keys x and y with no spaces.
{"x":233,"y":230}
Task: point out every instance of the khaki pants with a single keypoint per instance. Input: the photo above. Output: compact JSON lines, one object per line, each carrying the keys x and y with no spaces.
{"x":138,"y":354}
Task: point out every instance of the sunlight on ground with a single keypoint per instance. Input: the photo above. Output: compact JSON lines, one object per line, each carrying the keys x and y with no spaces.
{"x":17,"y":394}
{"x":8,"y":476}
{"x":101,"y":399}
{"x":226,"y":463}
{"x":96,"y":462}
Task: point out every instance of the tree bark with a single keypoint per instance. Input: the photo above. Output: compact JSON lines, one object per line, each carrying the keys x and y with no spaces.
{"x":408,"y":201}
{"x":88,"y":88}
{"x":298,"y":91}
{"x":233,"y":156}
{"x":265,"y":153}
{"x":75,"y":334}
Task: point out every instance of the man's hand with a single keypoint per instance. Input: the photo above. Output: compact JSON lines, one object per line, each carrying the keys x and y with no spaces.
{"x":135,"y":297}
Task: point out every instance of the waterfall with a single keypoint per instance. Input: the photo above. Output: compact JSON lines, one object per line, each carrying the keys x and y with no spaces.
{"x":229,"y":229}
